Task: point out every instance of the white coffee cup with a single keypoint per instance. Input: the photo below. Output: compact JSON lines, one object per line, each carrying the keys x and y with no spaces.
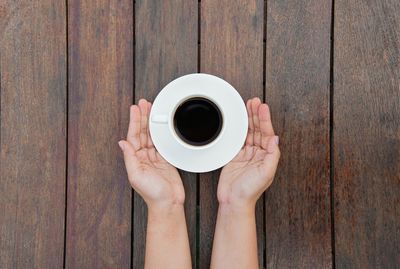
{"x":194,"y":107}
{"x":200,"y":143}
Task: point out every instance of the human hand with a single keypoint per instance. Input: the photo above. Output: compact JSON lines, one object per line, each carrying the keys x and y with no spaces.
{"x":251,"y":172}
{"x":157,"y":181}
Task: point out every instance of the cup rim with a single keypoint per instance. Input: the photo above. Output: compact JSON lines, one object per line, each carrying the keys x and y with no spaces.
{"x":178,"y":138}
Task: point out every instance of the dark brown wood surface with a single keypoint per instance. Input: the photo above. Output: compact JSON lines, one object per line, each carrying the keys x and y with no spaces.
{"x":100,"y":50}
{"x":367,"y":134}
{"x":69,"y":70}
{"x":165,"y":48}
{"x":231,"y":47}
{"x":33,"y":73}
{"x":298,"y":222}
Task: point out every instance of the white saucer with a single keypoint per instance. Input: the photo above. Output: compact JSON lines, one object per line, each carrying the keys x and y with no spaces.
{"x":199,"y":158}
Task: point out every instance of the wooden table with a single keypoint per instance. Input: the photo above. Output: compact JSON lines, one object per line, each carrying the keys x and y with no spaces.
{"x":330,"y":72}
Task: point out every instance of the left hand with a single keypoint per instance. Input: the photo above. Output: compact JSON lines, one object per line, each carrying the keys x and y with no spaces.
{"x":157,"y":181}
{"x":251,"y":172}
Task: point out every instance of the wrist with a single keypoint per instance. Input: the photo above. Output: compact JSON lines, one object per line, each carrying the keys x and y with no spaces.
{"x":236,"y":209}
{"x":164,"y":210}
{"x":167,"y":221}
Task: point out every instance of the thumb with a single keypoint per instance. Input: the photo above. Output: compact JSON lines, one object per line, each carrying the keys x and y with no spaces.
{"x":272,"y":158}
{"x":130,"y":158}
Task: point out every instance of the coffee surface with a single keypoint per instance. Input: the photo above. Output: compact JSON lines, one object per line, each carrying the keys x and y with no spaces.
{"x":198,"y":121}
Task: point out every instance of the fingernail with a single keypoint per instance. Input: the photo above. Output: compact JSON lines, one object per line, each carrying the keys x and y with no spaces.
{"x":277,"y":140}
{"x":121,"y":145}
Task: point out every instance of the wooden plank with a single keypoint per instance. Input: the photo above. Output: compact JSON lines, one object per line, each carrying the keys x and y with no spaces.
{"x":100,"y":57}
{"x":367,"y":134}
{"x":166,"y":48}
{"x":298,"y":223}
{"x":33,"y":139}
{"x":231,"y":48}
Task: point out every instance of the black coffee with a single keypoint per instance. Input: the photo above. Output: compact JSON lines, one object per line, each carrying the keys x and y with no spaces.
{"x":198,"y":121}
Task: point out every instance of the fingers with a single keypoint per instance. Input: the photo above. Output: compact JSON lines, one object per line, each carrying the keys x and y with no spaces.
{"x":152,"y":154}
{"x":149,"y":140}
{"x":255,"y":104}
{"x":266,"y":128}
{"x":134,"y":127}
{"x":264,"y":116}
{"x":143,"y":106}
{"x":272,"y":157}
{"x":138,"y":131}
{"x":250,"y":132}
{"x":130,"y":159}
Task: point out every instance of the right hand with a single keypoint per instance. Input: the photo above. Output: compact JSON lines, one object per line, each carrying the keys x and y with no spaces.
{"x":251,"y":172}
{"x":157,"y":181}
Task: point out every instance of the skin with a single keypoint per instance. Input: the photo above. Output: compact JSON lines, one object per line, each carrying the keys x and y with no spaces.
{"x":159,"y":184}
{"x":241,"y":183}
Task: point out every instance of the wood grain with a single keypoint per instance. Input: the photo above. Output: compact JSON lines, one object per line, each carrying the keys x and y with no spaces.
{"x":231,"y":48}
{"x":100,"y":48}
{"x":298,"y":223}
{"x":166,"y":48}
{"x":367,"y":134}
{"x":33,"y":139}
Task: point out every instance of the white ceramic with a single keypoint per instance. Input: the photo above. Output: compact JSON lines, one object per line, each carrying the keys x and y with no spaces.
{"x":198,"y":158}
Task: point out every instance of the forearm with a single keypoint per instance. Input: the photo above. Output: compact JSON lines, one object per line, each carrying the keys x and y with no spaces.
{"x":235,"y":240}
{"x":167,"y":243}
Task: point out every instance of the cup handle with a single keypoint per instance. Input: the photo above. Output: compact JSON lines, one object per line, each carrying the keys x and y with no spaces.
{"x":159,"y":118}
